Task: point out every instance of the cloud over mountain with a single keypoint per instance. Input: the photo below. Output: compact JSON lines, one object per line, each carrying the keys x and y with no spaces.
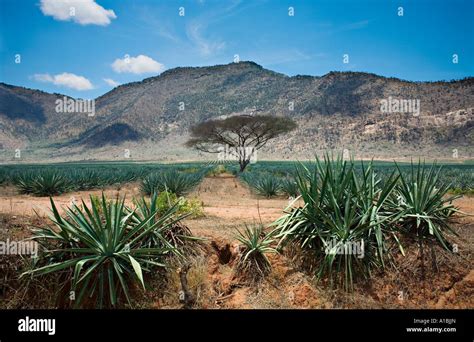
{"x":66,"y":79}
{"x":140,"y":64}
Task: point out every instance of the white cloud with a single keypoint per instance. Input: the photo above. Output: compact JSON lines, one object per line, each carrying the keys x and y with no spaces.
{"x":111,"y":82}
{"x":84,"y":12}
{"x":43,"y":78}
{"x":205,"y":46}
{"x":66,"y":79}
{"x":137,"y":65}
{"x":197,"y":30}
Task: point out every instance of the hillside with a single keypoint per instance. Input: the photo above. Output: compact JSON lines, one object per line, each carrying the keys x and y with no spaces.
{"x":151,"y":118}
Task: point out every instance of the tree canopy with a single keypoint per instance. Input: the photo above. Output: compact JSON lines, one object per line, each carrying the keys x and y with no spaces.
{"x":240,"y":135}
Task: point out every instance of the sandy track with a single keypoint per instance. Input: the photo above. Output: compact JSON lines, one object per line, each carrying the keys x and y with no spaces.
{"x":226,"y":202}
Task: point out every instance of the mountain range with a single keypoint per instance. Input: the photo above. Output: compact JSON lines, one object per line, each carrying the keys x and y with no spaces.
{"x":150,"y":120}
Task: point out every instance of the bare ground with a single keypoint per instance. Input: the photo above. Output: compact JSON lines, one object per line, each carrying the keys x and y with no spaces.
{"x":228,"y":205}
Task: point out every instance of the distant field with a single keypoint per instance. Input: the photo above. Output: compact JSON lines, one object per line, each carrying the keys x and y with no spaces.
{"x":89,"y":175}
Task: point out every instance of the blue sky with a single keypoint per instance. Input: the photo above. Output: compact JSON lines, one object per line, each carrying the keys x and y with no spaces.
{"x":86,"y":54}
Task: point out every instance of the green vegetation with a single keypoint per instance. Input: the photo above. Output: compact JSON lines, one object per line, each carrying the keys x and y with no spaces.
{"x":289,"y":187}
{"x":3,"y":176}
{"x":48,"y":183}
{"x":54,"y":179}
{"x":178,"y":183}
{"x":98,"y":175}
{"x":175,"y":236}
{"x":458,"y":177}
{"x":351,"y":218}
{"x":255,"y":244}
{"x":350,"y":214}
{"x":165,"y":200}
{"x":425,"y":206}
{"x":104,"y":248}
{"x":343,"y":223}
{"x":263,"y":184}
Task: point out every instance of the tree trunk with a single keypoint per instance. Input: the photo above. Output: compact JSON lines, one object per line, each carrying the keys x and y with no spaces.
{"x":243,"y":164}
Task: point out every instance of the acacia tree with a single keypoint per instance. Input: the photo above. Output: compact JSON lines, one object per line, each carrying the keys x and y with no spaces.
{"x":239,"y":135}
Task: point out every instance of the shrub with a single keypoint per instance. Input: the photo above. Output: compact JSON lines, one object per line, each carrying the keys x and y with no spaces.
{"x":186,"y":206}
{"x":265,"y":185}
{"x":425,"y":204}
{"x":103,"y":249}
{"x":176,"y":235}
{"x":191,"y":206}
{"x":343,"y":222}
{"x":170,"y":181}
{"x":252,"y":261}
{"x":46,"y":183}
{"x":217,"y":170}
{"x":289,"y":187}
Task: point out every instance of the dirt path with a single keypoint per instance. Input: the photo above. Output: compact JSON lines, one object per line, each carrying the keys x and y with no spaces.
{"x":227,"y":204}
{"x":26,"y":205}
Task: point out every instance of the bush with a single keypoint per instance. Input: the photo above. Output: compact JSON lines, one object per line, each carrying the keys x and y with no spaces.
{"x":252,"y":261}
{"x":176,"y":235}
{"x":425,"y":204}
{"x":165,"y":200}
{"x":265,"y":184}
{"x":289,"y":187}
{"x":217,"y":170}
{"x":101,"y":250}
{"x":343,"y":222}
{"x":192,"y":206}
{"x":170,"y":181}
{"x":46,"y":183}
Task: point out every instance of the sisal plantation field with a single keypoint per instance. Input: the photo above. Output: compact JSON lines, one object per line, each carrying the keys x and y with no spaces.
{"x":327,"y":233}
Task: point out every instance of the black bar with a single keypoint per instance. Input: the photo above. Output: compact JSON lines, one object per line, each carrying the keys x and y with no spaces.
{"x":245,"y":325}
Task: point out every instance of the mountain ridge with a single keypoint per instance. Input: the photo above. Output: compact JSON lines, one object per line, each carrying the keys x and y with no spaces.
{"x":334,"y":111}
{"x":173,"y":70}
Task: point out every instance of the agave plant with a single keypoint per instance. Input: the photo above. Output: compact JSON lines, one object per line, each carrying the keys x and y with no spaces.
{"x":266,"y":185}
{"x":3,"y":176}
{"x":174,"y":236}
{"x":289,"y":187}
{"x":50,"y":184}
{"x":42,"y":183}
{"x":424,"y":201}
{"x":86,"y":179}
{"x":171,"y":181}
{"x":343,"y":222}
{"x":103,"y":249}
{"x":255,"y":244}
{"x":24,"y":182}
